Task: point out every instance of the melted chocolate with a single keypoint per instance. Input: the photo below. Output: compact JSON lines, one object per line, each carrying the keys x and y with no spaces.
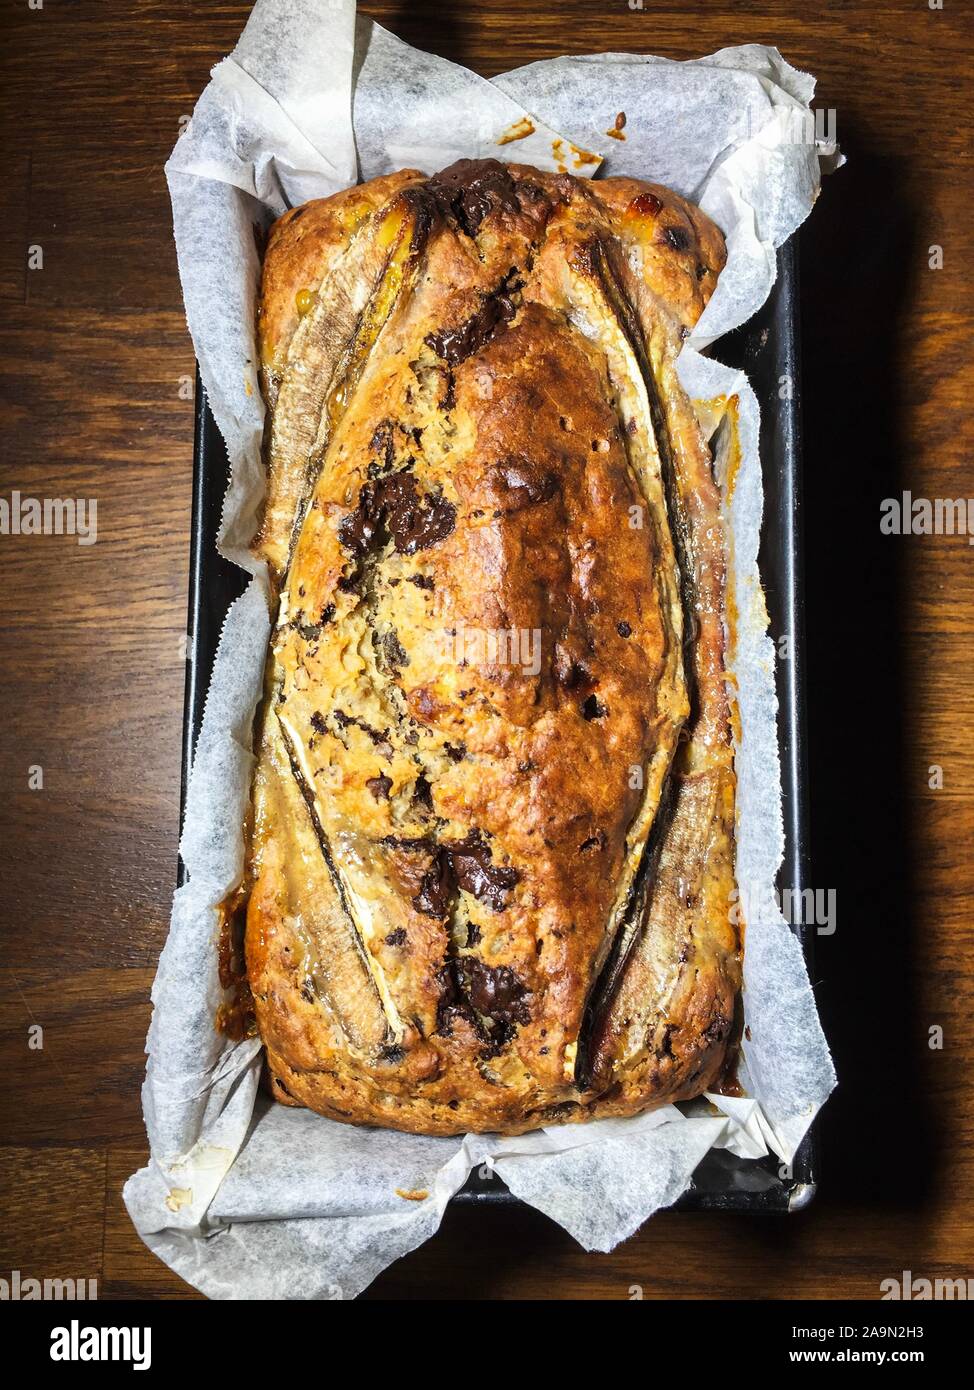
{"x":350,"y":721}
{"x":423,"y":793}
{"x":471,"y":990}
{"x":454,"y":345}
{"x":433,"y":898}
{"x":451,"y":1004}
{"x":380,"y":786}
{"x":593,"y":709}
{"x":470,"y":860}
{"x":494,"y":990}
{"x":470,"y":189}
{"x":464,"y":864}
{"x":394,"y":502}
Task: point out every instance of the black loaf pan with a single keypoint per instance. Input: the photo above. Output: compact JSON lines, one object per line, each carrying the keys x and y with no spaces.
{"x":767,"y":349}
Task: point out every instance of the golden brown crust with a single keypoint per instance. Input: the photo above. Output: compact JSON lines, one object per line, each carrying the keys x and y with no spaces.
{"x":490,"y":888}
{"x":301,"y":246}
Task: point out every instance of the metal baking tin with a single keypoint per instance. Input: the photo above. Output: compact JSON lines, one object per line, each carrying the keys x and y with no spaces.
{"x":767,"y":349}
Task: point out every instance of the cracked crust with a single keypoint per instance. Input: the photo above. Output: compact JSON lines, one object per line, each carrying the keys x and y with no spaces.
{"x":492,"y":859}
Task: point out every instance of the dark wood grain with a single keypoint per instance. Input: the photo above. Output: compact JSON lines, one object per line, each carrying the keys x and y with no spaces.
{"x":92,"y":351}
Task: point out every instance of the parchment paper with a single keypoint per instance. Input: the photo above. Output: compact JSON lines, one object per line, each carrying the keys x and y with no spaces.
{"x":247,"y":1199}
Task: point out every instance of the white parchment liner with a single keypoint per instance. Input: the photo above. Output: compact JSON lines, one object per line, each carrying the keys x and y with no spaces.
{"x":247,"y":1199}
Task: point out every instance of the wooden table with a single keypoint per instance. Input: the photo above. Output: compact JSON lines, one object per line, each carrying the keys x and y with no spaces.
{"x":95,"y":353}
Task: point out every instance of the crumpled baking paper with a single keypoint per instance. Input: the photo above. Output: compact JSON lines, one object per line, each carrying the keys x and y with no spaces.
{"x":247,"y":1199}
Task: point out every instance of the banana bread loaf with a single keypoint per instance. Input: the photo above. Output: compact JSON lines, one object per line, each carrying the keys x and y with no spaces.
{"x":491,"y":857}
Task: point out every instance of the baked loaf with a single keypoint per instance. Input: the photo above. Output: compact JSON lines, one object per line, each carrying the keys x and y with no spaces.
{"x":491,"y":855}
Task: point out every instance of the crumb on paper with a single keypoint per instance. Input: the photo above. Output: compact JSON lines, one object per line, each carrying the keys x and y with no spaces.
{"x":558,"y":154}
{"x":583,"y":157}
{"x":520,"y":130}
{"x":412,"y":1194}
{"x":248,"y":388}
{"x":615,"y":130}
{"x":179,"y":1197}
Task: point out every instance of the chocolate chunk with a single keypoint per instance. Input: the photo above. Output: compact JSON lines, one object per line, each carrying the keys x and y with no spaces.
{"x":531,"y":192}
{"x":469,"y":988}
{"x":469,"y":189}
{"x":422,"y":581}
{"x":382,"y":444}
{"x":455,"y":752}
{"x":433,"y":898}
{"x":416,"y":843}
{"x":591,"y":709}
{"x":397,"y":937}
{"x":470,"y":860}
{"x":450,"y":1004}
{"x":463,"y":864}
{"x":423,"y":793}
{"x":394,"y":503}
{"x":357,"y":530}
{"x":380,"y":786}
{"x":623,"y":629}
{"x":717,"y":1029}
{"x":455,"y":345}
{"x":318,"y":722}
{"x":349,"y":721}
{"x":494,"y":990}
